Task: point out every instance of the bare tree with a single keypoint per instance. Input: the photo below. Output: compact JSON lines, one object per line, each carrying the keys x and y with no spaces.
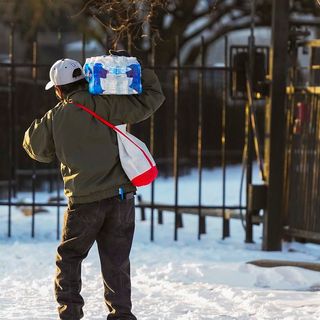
{"x":144,"y":21}
{"x":164,"y":20}
{"x":31,"y":16}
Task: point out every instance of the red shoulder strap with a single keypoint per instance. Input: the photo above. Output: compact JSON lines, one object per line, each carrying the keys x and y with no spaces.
{"x":110,"y":125}
{"x":95,"y":115}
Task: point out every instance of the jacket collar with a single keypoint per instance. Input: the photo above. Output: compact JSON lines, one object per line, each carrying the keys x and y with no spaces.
{"x":77,"y":95}
{"x":76,"y":92}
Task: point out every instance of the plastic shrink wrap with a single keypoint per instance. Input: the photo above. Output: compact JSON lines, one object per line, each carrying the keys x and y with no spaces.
{"x":113,"y":75}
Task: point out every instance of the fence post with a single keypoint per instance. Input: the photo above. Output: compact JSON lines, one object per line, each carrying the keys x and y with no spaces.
{"x":152,"y":147}
{"x":249,"y":141}
{"x":83,"y":48}
{"x":275,"y":127}
{"x":160,"y":216}
{"x":177,"y":219}
{"x":34,"y":175}
{"x":225,"y":219}
{"x":11,"y":124}
{"x":201,"y":219}
{"x":58,"y":206}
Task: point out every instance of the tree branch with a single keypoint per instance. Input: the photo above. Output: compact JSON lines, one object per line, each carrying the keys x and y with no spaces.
{"x":224,"y":30}
{"x":213,"y":21}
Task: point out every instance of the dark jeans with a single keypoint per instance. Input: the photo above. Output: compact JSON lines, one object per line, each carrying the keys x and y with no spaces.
{"x":110,"y":222}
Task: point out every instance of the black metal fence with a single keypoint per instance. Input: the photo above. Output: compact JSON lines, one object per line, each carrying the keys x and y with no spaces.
{"x":302,"y":219}
{"x":199,"y":126}
{"x":303,"y":166}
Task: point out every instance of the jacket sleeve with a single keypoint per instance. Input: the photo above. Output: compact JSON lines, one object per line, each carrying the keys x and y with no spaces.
{"x":132,"y":108}
{"x":38,"y":141}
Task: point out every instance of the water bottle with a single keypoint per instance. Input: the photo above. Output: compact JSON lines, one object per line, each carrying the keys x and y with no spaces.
{"x":113,"y":75}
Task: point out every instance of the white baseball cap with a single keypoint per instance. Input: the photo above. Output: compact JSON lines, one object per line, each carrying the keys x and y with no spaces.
{"x":61,"y":73}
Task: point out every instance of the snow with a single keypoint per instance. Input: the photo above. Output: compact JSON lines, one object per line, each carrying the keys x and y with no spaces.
{"x":183,"y":280}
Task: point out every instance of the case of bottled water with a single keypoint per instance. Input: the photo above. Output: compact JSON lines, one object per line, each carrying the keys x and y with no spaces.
{"x":113,"y":74}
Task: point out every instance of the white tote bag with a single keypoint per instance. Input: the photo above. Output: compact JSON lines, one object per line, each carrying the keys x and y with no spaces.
{"x":135,"y":158}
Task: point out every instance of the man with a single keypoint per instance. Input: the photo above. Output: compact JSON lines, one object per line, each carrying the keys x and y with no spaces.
{"x":93,"y":176}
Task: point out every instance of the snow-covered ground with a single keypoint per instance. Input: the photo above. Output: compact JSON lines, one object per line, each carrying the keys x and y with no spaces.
{"x":184,"y":280}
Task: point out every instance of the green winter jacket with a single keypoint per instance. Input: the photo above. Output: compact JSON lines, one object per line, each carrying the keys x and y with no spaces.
{"x":87,"y":149}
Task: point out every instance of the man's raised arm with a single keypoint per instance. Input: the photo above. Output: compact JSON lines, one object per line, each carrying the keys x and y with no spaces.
{"x":132,"y":108}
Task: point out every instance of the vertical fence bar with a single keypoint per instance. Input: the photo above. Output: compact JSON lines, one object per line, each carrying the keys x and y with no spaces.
{"x":129,"y":44}
{"x":201,"y":219}
{"x":314,"y":166}
{"x":14,"y":130}
{"x":225,"y":221}
{"x":289,"y":114}
{"x":34,"y":175}
{"x":107,"y":43}
{"x":307,"y":166}
{"x":310,"y":135}
{"x":129,"y":49}
{"x":291,"y":155}
{"x":11,"y":123}
{"x":58,"y":208}
{"x":175,"y":139}
{"x":83,"y":48}
{"x":249,"y":77}
{"x":294,"y":174}
{"x":33,"y":179}
{"x":316,"y":189}
{"x":251,"y":124}
{"x":51,"y":178}
{"x":304,"y":157}
{"x":57,"y":176}
{"x":249,"y":231}
{"x":152,"y":149}
{"x":306,"y":148}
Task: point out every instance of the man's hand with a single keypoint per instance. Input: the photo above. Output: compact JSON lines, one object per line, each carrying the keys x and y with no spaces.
{"x":124,"y":53}
{"x":119,"y":53}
